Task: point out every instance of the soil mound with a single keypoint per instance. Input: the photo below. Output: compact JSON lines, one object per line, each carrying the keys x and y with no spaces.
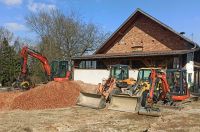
{"x":86,"y":87}
{"x":6,"y":99}
{"x":48,"y":96}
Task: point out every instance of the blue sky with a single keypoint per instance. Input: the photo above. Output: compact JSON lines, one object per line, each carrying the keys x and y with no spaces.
{"x":181,"y":15}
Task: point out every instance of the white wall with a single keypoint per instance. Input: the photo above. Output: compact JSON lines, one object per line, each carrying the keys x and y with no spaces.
{"x":133,"y":74}
{"x":95,"y":76}
{"x":190,"y":70}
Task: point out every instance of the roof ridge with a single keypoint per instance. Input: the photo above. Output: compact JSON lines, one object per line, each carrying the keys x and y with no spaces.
{"x":165,"y":25}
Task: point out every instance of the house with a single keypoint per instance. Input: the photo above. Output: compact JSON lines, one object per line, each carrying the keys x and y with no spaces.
{"x":141,"y":41}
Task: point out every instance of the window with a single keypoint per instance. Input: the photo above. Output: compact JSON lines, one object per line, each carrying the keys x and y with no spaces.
{"x":87,"y":65}
{"x":59,"y":68}
{"x":144,"y":75}
{"x":120,"y":73}
{"x":189,"y":78}
{"x":176,"y":63}
{"x":82,"y":65}
{"x":190,"y":57}
{"x":177,"y":81}
{"x":197,"y":77}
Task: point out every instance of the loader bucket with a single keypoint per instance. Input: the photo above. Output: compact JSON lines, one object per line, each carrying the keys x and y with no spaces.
{"x":91,"y":100}
{"x":124,"y":102}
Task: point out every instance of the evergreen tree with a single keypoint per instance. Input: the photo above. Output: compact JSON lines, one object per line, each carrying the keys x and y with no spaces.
{"x":9,"y":64}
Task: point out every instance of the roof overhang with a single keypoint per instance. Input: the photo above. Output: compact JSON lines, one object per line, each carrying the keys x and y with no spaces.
{"x":135,"y":54}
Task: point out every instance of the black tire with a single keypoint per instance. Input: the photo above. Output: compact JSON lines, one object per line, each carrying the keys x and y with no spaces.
{"x":102,"y":103}
{"x":144,"y":98}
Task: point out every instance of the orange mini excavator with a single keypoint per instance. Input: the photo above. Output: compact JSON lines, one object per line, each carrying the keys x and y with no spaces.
{"x":58,"y":71}
{"x":161,"y":90}
{"x":178,"y":91}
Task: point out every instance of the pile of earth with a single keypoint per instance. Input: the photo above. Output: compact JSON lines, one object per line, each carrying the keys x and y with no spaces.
{"x":47,"y":96}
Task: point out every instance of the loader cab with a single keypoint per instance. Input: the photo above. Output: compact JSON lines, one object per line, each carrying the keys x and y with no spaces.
{"x":59,"y":69}
{"x":119,"y":72}
{"x":176,"y":79}
{"x":144,"y":74}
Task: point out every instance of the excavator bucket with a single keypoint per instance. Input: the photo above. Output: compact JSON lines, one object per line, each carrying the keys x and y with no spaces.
{"x":91,"y":100}
{"x":124,"y":102}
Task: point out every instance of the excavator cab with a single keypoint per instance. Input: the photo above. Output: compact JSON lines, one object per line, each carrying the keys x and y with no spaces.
{"x":176,"y":79}
{"x":60,"y":70}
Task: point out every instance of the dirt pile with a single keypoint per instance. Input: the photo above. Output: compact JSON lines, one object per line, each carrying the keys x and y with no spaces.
{"x":47,"y":96}
{"x":86,"y":87}
{"x":6,"y":99}
{"x":51,"y":95}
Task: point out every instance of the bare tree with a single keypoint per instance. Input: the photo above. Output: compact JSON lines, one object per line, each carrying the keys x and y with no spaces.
{"x":5,"y":34}
{"x":64,"y":36}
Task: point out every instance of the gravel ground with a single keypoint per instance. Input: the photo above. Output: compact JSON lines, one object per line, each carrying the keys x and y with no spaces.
{"x":86,"y":119}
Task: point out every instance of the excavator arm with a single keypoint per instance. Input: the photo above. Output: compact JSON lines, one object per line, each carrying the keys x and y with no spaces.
{"x":27,"y":51}
{"x":23,"y":82}
{"x":164,"y":88}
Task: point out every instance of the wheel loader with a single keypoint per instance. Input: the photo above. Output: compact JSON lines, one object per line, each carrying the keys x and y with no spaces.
{"x":119,"y":77}
{"x":135,"y":99}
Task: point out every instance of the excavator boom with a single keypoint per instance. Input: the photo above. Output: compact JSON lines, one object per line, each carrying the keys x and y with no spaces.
{"x":23,"y":82}
{"x":27,"y":51}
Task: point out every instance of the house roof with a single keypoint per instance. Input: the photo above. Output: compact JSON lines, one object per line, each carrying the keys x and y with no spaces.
{"x":125,"y":25}
{"x":135,"y":54}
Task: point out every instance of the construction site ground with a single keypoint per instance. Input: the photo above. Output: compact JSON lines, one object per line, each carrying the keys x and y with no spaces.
{"x":86,"y":119}
{"x":52,"y":108}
